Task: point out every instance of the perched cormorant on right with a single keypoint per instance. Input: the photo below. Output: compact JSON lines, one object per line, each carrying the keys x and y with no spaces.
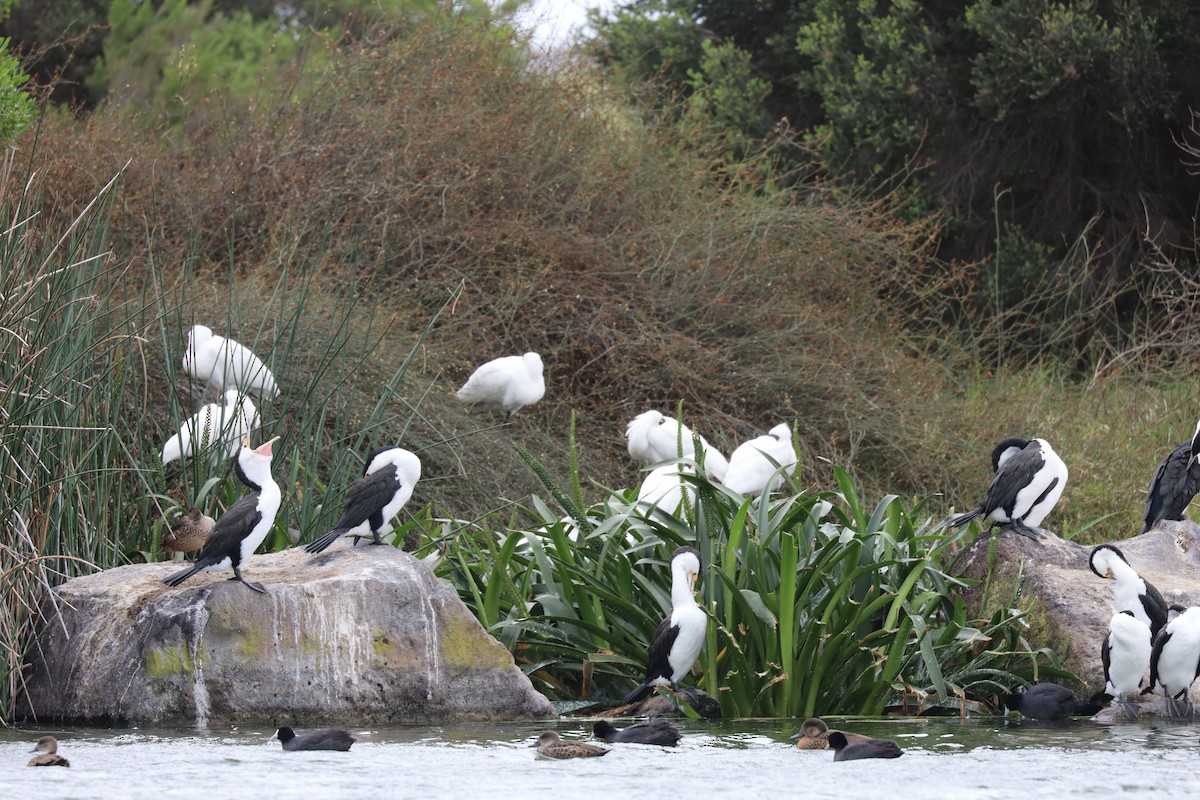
{"x":1175,"y":483}
{"x":677,"y":642}
{"x":392,"y":473}
{"x":1131,"y":592}
{"x":1175,"y":660}
{"x":1030,"y":477}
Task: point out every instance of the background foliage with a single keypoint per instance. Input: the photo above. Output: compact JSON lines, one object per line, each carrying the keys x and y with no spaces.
{"x":403,"y":200}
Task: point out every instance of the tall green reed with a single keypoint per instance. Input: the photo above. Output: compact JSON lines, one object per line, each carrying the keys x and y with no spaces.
{"x":91,"y":385}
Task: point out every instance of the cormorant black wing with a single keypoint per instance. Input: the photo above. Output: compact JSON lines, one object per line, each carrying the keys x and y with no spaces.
{"x":231,"y":528}
{"x":658,"y":664}
{"x":1167,"y":486}
{"x":1155,"y":607}
{"x":367,"y":497}
{"x":1015,"y":474}
{"x":1160,"y":641}
{"x":1105,"y":655}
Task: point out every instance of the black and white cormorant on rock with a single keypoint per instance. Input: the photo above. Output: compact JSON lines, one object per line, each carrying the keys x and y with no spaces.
{"x":655,"y":731}
{"x":1131,"y":592}
{"x":242,"y":528}
{"x":392,"y":473}
{"x":1030,"y":477}
{"x":324,"y":739}
{"x":1175,"y":483}
{"x":1175,"y":660}
{"x":1125,"y":654}
{"x":846,"y":750}
{"x":1050,"y":702}
{"x":47,"y":754}
{"x":679,"y":637}
{"x":551,"y":745}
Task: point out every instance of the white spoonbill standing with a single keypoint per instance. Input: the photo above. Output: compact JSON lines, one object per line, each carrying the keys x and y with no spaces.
{"x":223,"y":364}
{"x":653,"y":437}
{"x":392,"y":473}
{"x":244,"y":526}
{"x":750,"y":469}
{"x":509,"y":384}
{"x":212,"y":426}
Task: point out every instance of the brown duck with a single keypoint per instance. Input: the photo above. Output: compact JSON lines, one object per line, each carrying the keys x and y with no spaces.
{"x":551,"y":745}
{"x":814,"y":735}
{"x":47,"y":754}
{"x":188,"y":533}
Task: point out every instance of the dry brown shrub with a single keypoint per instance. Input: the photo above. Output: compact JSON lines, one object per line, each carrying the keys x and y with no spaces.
{"x":644,"y":270}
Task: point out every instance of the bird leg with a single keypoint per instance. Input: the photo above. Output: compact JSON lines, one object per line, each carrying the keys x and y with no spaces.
{"x":1130,"y":710}
{"x":1020,"y":527}
{"x":1179,"y":709}
{"x":258,"y":587}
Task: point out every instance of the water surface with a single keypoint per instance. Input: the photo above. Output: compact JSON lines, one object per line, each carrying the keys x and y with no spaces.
{"x":750,"y":759}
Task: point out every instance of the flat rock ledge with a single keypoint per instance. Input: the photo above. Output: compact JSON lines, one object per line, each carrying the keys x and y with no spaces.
{"x":351,"y":636}
{"x":1070,"y":605}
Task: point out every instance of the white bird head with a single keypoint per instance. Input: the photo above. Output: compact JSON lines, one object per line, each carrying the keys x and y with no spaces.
{"x":533,"y":364}
{"x":686,"y":561}
{"x":1107,"y":560}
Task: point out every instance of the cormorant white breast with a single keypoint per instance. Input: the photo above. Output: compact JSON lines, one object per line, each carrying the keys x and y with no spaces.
{"x":244,"y":526}
{"x":677,"y":642}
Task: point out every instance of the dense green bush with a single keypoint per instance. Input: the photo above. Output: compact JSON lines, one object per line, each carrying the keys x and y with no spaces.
{"x":818,"y":603}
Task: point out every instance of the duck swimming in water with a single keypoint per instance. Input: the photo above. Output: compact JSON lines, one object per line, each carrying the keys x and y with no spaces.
{"x":1049,"y":702}
{"x":845,"y":750}
{"x":551,"y":745}
{"x":814,"y":735}
{"x":47,"y":754}
{"x":324,"y":739}
{"x":657,"y":731}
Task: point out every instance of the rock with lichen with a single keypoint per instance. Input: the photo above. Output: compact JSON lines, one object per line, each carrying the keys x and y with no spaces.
{"x":353,"y":635}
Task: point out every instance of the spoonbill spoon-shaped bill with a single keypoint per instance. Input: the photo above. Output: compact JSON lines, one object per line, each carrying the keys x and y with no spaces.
{"x":653,"y":437}
{"x":1029,"y":479}
{"x":509,"y":384}
{"x":1175,"y":483}
{"x":374,"y":499}
{"x":244,"y":526}
{"x":751,"y":471}
{"x":213,"y":425}
{"x":223,"y":364}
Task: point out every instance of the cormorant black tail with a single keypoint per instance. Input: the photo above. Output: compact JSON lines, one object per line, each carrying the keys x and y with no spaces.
{"x":320,"y":544}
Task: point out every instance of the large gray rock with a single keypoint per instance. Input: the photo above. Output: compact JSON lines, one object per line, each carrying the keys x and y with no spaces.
{"x":350,"y":636}
{"x":1069,"y":605}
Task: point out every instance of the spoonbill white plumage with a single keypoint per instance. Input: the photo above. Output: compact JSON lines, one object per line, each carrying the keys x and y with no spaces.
{"x":750,"y":469}
{"x":509,"y":383}
{"x":212,"y":426}
{"x":653,"y":437}
{"x":223,"y":363}
{"x":663,"y":486}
